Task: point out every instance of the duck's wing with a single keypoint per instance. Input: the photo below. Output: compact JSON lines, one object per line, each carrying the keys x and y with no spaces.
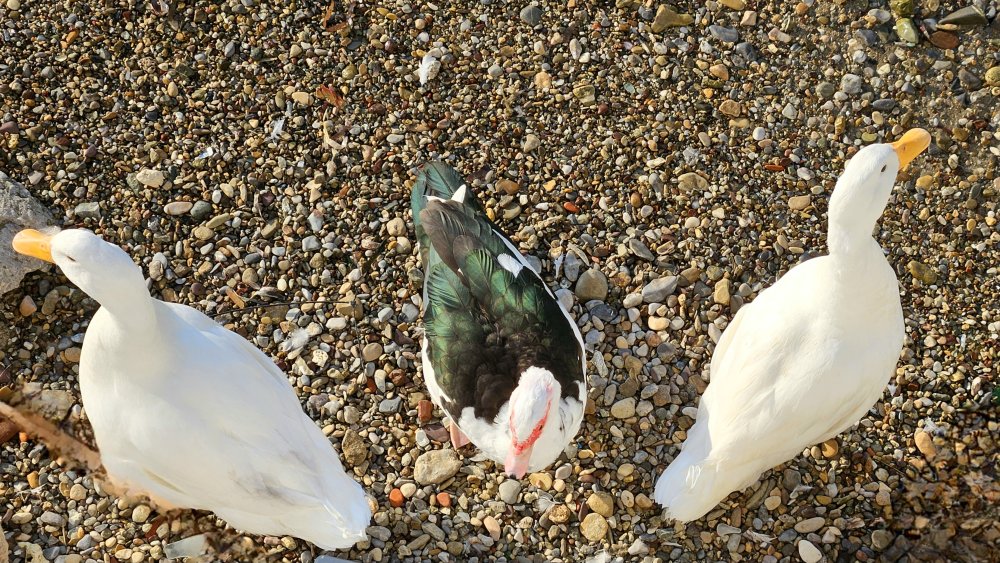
{"x":228,"y":431}
{"x":778,"y":374}
{"x":477,"y":277}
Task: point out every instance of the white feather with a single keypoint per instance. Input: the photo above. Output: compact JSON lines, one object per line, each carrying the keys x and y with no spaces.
{"x":429,"y":68}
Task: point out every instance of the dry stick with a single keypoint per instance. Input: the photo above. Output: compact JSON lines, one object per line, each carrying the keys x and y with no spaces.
{"x":54,"y":438}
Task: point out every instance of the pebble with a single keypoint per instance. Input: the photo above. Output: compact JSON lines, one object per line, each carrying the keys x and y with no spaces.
{"x":925,"y":444}
{"x":810,"y":525}
{"x":140,"y":513}
{"x":177,"y":207}
{"x":354,"y":448}
{"x":594,"y":527}
{"x":88,"y":210}
{"x":692,"y":181}
{"x":799,"y":202}
{"x":667,"y":17}
{"x":882,"y":539}
{"x":624,"y":408}
{"x":602,"y":503}
{"x":851,"y":83}
{"x":724,"y":34}
{"x":510,"y":490}
{"x":808,"y":552}
{"x":150,"y":178}
{"x":922,"y":272}
{"x":531,"y":15}
{"x":592,"y":284}
{"x":27,"y":306}
{"x":436,"y":466}
{"x":657,"y":290}
{"x":371,"y":352}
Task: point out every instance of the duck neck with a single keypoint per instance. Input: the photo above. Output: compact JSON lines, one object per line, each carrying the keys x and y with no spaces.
{"x":125,"y":299}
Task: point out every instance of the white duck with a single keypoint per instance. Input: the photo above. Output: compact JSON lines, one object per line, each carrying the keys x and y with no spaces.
{"x":192,"y":414}
{"x":808,"y":357}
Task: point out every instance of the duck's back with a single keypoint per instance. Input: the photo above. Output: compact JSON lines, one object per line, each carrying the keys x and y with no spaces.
{"x":800,"y":364}
{"x":203,"y":419}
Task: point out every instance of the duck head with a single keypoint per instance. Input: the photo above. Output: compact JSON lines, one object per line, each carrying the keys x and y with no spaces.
{"x":532,"y":404}
{"x":863,"y":190}
{"x":103,"y":271}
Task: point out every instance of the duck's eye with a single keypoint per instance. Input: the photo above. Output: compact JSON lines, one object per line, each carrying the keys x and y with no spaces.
{"x":884,"y":166}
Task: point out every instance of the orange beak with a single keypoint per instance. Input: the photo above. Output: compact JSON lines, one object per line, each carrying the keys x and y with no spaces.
{"x":33,"y":243}
{"x":910,"y":145}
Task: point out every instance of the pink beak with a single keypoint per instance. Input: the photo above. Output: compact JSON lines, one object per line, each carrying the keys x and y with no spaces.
{"x":516,"y":465}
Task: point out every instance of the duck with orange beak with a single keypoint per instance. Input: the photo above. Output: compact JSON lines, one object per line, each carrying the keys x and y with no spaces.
{"x":808,"y":357}
{"x":500,"y":354}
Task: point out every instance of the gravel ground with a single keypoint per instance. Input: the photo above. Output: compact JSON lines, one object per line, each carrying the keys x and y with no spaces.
{"x":255,"y":159}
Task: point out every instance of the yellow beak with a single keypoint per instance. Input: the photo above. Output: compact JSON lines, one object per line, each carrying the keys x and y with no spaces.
{"x":910,"y":145}
{"x":33,"y":243}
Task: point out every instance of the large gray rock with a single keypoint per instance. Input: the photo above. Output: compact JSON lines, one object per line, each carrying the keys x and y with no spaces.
{"x":18,"y":210}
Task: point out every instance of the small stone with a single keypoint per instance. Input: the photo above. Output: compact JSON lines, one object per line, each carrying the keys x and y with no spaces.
{"x":531,"y":15}
{"x":396,"y":498}
{"x":302,"y":98}
{"x":396,"y":227}
{"x":560,"y":513}
{"x":724,"y":34}
{"x":602,"y":503}
{"x":969,"y":80}
{"x":808,"y":552}
{"x":77,"y":492}
{"x":967,"y":16}
{"x":510,"y":490}
{"x":586,"y":94}
{"x":27,"y":306}
{"x":721,"y":294}
{"x":830,"y":448}
{"x":666,"y":17}
{"x":901,"y":8}
{"x":925,"y":444}
{"x":13,"y":5}
{"x":408,"y":490}
{"x":591,"y":285}
{"x":443,"y":499}
{"x":436,"y":466}
{"x":354,"y":448}
{"x":531,"y":142}
{"x":624,"y":408}
{"x":734,"y":4}
{"x":177,"y":207}
{"x":907,"y":32}
{"x":658,"y":290}
{"x":882,"y":539}
{"x":825,"y":90}
{"x":719,"y":71}
{"x":140,"y":514}
{"x":799,"y":202}
{"x":540,"y":481}
{"x":922,"y":272}
{"x":201,"y":209}
{"x":425,"y":409}
{"x":944,"y":40}
{"x":90,"y":209}
{"x":492,"y":526}
{"x":594,"y":527}
{"x":851,"y":84}
{"x":692,"y":181}
{"x":150,"y":178}
{"x":371,"y":351}
{"x":72,"y":355}
{"x":992,"y":76}
{"x":202,"y":232}
{"x":730,"y":108}
{"x":810,"y":525}
{"x":52,"y":519}
{"x":509,"y":187}
{"x":772,"y":503}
